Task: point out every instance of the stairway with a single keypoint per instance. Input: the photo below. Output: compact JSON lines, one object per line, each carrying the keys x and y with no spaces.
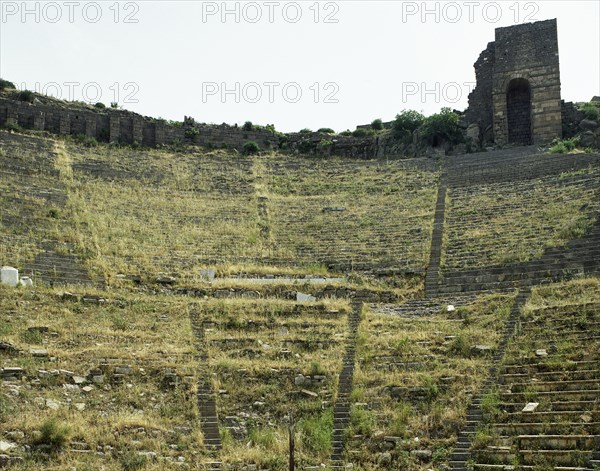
{"x":553,"y":366}
{"x":435,"y":256}
{"x":207,"y":405}
{"x":341,"y":410}
{"x":461,"y":454}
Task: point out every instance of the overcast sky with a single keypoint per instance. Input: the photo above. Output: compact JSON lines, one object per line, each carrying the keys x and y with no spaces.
{"x":292,"y":64}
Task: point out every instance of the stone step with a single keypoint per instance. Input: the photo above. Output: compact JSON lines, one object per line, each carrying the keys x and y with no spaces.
{"x":550,"y":428}
{"x":559,"y":442}
{"x":550,"y":376}
{"x":556,"y":386}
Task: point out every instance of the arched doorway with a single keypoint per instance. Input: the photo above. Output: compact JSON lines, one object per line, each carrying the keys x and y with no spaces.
{"x":518,"y":105}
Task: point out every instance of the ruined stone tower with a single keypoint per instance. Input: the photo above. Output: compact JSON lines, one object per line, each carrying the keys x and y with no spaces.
{"x":517,"y":97}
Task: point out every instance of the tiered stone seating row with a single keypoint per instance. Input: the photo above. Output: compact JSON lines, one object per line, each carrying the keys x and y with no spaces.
{"x":513,"y":164}
{"x":353,"y":214}
{"x":272,"y":360}
{"x":543,"y":413}
{"x":503,"y":223}
{"x":417,"y":371}
{"x":120,"y":372}
{"x":207,"y":173}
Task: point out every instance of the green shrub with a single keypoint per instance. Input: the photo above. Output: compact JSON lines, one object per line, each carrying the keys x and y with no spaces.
{"x":114,"y":105}
{"x":307,"y":146}
{"x":119,"y":323}
{"x":325,"y":144}
{"x":190,"y":133}
{"x":12,"y":127}
{"x":460,"y":346}
{"x":431,"y":388}
{"x":591,"y":110}
{"x":100,"y":106}
{"x":248,"y":126}
{"x":482,"y":439}
{"x":5,"y":85}
{"x":377,"y":125}
{"x":87,"y":141}
{"x":316,"y":432}
{"x":264,"y":438}
{"x":305,"y":131}
{"x":54,"y":213}
{"x":403,"y":346}
{"x":362,"y":422}
{"x":326,"y":130}
{"x":316,"y":369}
{"x":563,"y":146}
{"x":406,"y":123}
{"x":442,"y":126}
{"x":251,"y":147}
{"x":53,"y":434}
{"x":131,"y":461}
{"x":490,"y":404}
{"x":32,"y":337}
{"x":346,"y":133}
{"x":27,"y":95}
{"x":360,"y":132}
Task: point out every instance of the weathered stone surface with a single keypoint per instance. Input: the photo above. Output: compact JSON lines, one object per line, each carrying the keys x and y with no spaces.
{"x":530,"y":406}
{"x":302,"y":297}
{"x":6,"y":446}
{"x":588,"y":125}
{"x":207,"y":274}
{"x":518,"y":85}
{"x":26,"y":281}
{"x":9,"y":276}
{"x":481,"y":349}
{"x":39,"y":352}
{"x":473,"y":132}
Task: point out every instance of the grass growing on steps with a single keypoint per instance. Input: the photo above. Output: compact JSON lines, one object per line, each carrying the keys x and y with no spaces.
{"x":414,"y":380}
{"x":502,"y":223}
{"x":257,"y":352}
{"x":138,"y":412}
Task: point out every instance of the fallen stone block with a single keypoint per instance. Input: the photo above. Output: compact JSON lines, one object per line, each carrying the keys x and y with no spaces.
{"x":9,"y":276}
{"x":302,"y":297}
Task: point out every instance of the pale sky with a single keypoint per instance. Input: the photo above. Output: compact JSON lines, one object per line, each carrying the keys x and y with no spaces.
{"x":302,"y":64}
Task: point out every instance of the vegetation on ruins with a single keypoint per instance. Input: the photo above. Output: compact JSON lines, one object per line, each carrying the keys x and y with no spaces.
{"x":377,"y":124}
{"x":563,"y":146}
{"x":27,"y":96}
{"x":591,"y":110}
{"x":122,"y":363}
{"x":406,"y":123}
{"x":251,"y":147}
{"x":326,"y":130}
{"x":441,"y":127}
{"x":6,"y":85}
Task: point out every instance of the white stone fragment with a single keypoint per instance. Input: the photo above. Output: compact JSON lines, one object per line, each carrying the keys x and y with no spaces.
{"x":26,"y":281}
{"x":530,"y":406}
{"x":302,"y":297}
{"x":450,"y":307}
{"x":9,"y":276}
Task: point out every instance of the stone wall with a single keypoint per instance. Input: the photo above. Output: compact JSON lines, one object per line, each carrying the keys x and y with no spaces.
{"x":521,"y":54}
{"x":480,"y":111}
{"x":120,"y":126}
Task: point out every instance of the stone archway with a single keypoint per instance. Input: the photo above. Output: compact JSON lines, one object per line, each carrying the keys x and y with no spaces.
{"x":518,"y":107}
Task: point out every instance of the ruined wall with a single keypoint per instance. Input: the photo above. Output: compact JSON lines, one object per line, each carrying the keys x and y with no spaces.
{"x":529,"y":53}
{"x":480,"y":111}
{"x":120,"y":126}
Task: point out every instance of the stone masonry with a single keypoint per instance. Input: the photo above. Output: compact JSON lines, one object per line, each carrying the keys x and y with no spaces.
{"x":518,"y":86}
